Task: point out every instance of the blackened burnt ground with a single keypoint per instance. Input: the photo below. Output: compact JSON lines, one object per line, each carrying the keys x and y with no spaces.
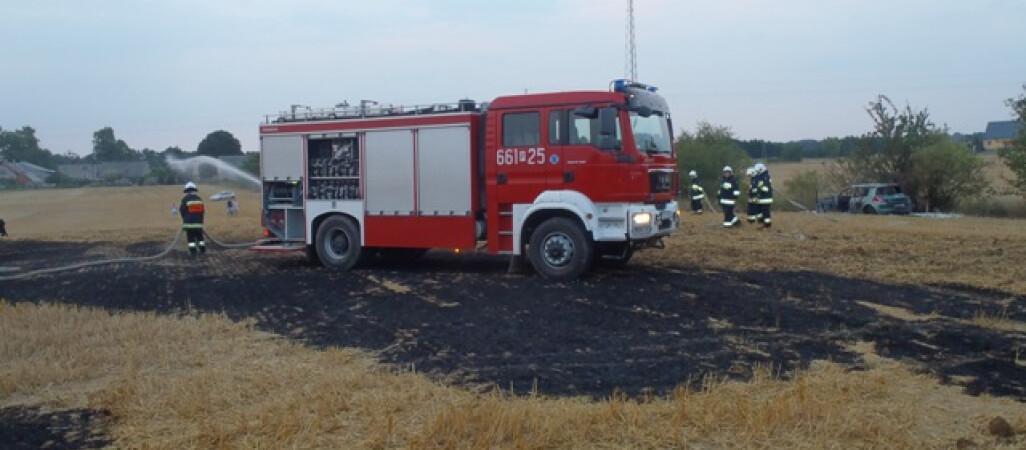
{"x":29,"y":427}
{"x":634,"y":329}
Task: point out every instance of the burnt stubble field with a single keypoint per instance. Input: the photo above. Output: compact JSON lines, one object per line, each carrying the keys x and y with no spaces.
{"x":636,"y":330}
{"x":719,"y":337}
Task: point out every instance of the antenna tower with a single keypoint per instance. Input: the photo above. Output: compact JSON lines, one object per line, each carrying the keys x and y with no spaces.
{"x":630,"y":65}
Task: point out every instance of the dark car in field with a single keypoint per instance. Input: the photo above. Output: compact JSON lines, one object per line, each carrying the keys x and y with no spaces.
{"x":869,"y":198}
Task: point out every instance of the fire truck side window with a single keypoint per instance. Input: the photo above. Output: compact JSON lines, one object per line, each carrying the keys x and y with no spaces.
{"x":580,"y":131}
{"x":557,"y":127}
{"x":586,"y":131}
{"x":521,"y":129}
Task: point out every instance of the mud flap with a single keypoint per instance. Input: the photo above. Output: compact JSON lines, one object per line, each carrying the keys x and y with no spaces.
{"x":517,"y":265}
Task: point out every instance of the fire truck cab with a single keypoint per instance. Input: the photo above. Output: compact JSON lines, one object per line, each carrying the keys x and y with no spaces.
{"x":564,"y":179}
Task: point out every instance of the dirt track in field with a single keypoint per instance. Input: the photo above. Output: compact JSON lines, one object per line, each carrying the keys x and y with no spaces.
{"x":638,"y":329}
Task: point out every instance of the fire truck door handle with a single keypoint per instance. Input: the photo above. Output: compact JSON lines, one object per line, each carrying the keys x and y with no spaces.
{"x":501,"y":179}
{"x":568,"y":177}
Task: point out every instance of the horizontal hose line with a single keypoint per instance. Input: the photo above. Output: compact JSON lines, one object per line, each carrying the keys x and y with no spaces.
{"x":163,"y":253}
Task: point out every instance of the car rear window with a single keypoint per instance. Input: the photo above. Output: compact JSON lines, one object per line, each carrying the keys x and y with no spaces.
{"x":888,"y":190}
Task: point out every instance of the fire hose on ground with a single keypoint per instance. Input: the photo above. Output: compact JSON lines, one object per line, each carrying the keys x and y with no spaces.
{"x":803,"y":208}
{"x":163,"y":253}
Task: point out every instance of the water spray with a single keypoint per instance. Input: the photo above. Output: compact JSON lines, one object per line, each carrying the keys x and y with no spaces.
{"x":192,"y":165}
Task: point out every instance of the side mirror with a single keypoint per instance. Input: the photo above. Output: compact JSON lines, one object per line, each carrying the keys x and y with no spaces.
{"x":608,"y":140}
{"x":607,"y":121}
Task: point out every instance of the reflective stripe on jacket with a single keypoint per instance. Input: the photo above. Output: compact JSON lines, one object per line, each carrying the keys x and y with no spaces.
{"x":697,"y":192}
{"x":191,"y":210}
{"x":729,"y":191}
{"x":764,"y":189}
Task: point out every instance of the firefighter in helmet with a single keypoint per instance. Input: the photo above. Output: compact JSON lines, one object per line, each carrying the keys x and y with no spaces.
{"x":191,"y":211}
{"x":729,"y":192}
{"x":753,"y":206}
{"x":697,"y":193}
{"x":764,"y":193}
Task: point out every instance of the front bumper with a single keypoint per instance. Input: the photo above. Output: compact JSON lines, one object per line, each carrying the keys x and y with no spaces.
{"x":662,"y":220}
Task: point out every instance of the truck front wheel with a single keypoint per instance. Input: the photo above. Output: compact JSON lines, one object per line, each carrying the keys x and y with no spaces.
{"x":559,"y":250}
{"x":338,"y":243}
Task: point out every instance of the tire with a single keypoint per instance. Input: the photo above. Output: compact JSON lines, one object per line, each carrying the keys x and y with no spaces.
{"x":338,"y":243}
{"x":868,"y":210}
{"x":559,"y":250}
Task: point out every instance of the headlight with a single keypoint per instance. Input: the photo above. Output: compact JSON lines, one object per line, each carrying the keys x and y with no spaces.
{"x":642,"y":219}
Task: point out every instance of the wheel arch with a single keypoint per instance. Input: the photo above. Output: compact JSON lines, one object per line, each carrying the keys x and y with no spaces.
{"x":537,"y":216}
{"x":549,"y":204}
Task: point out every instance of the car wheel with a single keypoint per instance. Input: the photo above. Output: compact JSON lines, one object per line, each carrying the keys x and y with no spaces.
{"x":869,"y":210}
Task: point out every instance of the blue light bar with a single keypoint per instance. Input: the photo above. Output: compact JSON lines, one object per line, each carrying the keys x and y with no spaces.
{"x":621,"y":85}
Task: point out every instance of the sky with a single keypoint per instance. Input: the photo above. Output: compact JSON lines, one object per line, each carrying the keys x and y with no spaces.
{"x":166,"y":73}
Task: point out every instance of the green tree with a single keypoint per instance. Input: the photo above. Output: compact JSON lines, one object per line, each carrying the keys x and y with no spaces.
{"x":22,"y":145}
{"x":804,"y":189}
{"x":905,"y":147}
{"x":791,"y":151}
{"x":830,"y":147}
{"x":946,"y":171}
{"x":106,"y":147}
{"x":886,"y":153}
{"x":66,"y":158}
{"x":219,"y":143}
{"x":1015,"y":156}
{"x":706,"y":151}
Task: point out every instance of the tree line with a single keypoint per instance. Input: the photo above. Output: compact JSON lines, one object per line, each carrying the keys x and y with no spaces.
{"x":904,"y":146}
{"x":23,"y":145}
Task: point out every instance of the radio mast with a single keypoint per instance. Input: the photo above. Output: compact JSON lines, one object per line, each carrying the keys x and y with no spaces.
{"x":630,"y":65}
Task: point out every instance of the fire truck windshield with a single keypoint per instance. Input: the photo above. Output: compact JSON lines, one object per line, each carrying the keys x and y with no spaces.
{"x":651,"y":134}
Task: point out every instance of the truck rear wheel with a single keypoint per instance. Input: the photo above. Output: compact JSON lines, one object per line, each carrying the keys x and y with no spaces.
{"x":338,"y":243}
{"x":559,"y":250}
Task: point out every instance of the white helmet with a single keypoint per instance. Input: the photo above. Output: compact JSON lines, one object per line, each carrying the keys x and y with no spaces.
{"x":750,"y":171}
{"x":692,"y":174}
{"x":190,"y":186}
{"x":728,"y":169}
{"x":760,"y":168}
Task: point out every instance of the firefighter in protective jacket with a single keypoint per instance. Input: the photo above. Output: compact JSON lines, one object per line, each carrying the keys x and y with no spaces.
{"x":191,"y":211}
{"x":729,"y":192}
{"x":753,"y":205}
{"x":764,"y":193}
{"x":697,"y":193}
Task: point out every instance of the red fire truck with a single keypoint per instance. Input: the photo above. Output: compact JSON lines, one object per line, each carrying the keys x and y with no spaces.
{"x":562,"y":179}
